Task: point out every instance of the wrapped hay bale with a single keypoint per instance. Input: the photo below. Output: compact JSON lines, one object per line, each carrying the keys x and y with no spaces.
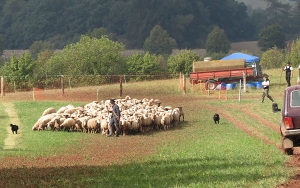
{"x":215,"y":65}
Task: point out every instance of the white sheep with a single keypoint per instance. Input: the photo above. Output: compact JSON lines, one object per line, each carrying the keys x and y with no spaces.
{"x":68,"y":124}
{"x":136,"y":115}
{"x":124,"y":125}
{"x":49,"y":111}
{"x":166,"y":121}
{"x":93,"y":125}
{"x":104,"y":124}
{"x":41,"y":123}
{"x":181,"y":113}
{"x":54,"y":122}
{"x":62,"y":110}
{"x":146,"y":122}
{"x":134,"y":125}
{"x":82,"y":122}
{"x":176,"y":114}
{"x":156,"y":121}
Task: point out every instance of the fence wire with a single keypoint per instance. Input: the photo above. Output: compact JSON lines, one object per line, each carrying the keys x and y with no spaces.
{"x":20,"y":84}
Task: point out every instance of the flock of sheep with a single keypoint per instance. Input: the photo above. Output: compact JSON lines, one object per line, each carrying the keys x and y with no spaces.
{"x":136,"y":116}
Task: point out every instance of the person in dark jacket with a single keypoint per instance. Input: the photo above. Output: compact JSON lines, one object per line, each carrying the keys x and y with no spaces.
{"x":266,"y":84}
{"x":288,"y":73}
{"x":115,"y":119}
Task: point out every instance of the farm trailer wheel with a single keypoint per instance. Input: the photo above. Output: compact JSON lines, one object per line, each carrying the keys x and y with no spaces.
{"x":210,"y":84}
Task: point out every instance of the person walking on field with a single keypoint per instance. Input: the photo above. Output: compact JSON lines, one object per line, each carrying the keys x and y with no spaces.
{"x":288,"y":73}
{"x":115,"y":119}
{"x":266,"y":84}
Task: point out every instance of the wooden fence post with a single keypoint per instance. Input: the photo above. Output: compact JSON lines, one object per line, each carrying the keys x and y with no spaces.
{"x":2,"y":86}
{"x":33,"y":96}
{"x":184,"y":84}
{"x":244,"y":81}
{"x":121,"y":87}
{"x":62,"y":86}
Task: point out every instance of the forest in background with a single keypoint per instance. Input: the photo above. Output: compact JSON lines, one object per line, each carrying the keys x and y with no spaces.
{"x":188,"y":22}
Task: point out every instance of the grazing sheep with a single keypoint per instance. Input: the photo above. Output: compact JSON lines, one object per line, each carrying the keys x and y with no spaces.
{"x":93,"y":125}
{"x":80,"y":123}
{"x":61,"y":110}
{"x":84,"y":121}
{"x":49,"y":111}
{"x":54,"y":123}
{"x":41,"y":123}
{"x":136,"y":116}
{"x":68,"y":124}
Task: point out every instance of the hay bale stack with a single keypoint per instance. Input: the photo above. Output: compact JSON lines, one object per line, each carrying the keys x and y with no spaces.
{"x":215,"y":65}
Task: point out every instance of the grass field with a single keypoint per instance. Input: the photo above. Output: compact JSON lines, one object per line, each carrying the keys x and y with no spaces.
{"x":242,"y":151}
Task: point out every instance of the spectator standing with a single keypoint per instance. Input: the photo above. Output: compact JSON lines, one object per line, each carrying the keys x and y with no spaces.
{"x":288,"y":73}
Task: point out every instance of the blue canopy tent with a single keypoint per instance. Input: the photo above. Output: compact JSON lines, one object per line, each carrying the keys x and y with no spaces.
{"x":251,"y":61}
{"x":239,"y":55}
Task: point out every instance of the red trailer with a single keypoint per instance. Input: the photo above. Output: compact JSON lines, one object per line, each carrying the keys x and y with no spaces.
{"x":215,"y":77}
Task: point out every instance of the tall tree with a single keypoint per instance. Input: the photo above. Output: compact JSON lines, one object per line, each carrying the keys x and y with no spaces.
{"x":39,"y":46}
{"x":19,"y":68}
{"x":143,"y":63}
{"x":159,"y":42}
{"x":271,"y":36}
{"x":217,"y":42}
{"x":88,"y":56}
{"x":231,"y":16}
{"x":182,"y":62}
{"x":279,"y":13}
{"x":294,"y":54}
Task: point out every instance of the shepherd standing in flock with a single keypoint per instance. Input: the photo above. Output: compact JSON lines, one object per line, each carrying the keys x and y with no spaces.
{"x":114,"y":121}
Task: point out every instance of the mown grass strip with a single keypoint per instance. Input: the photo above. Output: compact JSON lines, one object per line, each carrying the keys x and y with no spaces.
{"x":3,"y":126}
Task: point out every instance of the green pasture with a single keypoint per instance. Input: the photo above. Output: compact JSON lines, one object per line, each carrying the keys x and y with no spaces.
{"x":197,"y":153}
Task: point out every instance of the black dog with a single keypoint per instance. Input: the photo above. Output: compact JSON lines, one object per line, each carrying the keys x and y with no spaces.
{"x":14,"y":128}
{"x":275,"y":107}
{"x":216,"y":118}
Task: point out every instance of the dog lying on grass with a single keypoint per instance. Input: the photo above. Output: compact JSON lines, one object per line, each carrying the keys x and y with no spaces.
{"x":216,"y":118}
{"x":14,"y":128}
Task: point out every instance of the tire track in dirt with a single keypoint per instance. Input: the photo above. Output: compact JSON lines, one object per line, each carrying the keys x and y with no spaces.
{"x":241,"y":125}
{"x":294,"y":182}
{"x":12,"y":141}
{"x":258,"y":118}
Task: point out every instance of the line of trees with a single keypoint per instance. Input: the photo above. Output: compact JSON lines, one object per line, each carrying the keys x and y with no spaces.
{"x":93,"y":56}
{"x":99,"y":53}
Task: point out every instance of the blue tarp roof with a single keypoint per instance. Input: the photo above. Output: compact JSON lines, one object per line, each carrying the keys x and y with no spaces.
{"x":240,"y":55}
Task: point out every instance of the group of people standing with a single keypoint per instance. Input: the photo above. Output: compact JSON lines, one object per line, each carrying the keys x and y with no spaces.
{"x":288,"y":74}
